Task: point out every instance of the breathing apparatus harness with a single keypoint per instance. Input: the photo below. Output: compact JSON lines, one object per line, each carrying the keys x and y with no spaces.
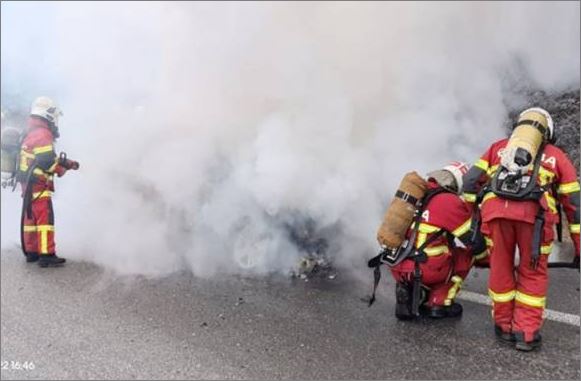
{"x":392,"y":257}
{"x":517,"y":186}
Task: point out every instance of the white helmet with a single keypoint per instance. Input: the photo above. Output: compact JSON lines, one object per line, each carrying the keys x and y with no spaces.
{"x":450,"y":176}
{"x":47,"y":109}
{"x":458,"y":169}
{"x":550,"y":127}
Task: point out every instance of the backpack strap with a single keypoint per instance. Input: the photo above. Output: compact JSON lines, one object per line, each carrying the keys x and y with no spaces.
{"x":376,"y":261}
{"x":420,"y":256}
{"x":537,"y":194}
{"x":559,"y":212}
{"x":533,"y":192}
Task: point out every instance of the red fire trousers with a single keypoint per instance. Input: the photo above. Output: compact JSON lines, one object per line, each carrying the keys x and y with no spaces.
{"x":38,"y":227}
{"x":442,"y":275}
{"x":518,"y":294}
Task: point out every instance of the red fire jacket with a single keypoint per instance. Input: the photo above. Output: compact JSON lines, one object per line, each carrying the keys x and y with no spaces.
{"x":445,"y":211}
{"x":38,"y":147}
{"x":556,"y":173}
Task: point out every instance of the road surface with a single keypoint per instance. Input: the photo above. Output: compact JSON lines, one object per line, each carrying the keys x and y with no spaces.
{"x":81,"y":322}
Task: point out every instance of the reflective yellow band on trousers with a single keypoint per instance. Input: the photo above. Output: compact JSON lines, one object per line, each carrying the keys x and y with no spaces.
{"x":453,"y":291}
{"x":546,"y":249}
{"x":531,"y":301}
{"x":574,"y":228}
{"x":43,"y":230}
{"x":33,"y":228}
{"x":502,"y":297}
{"x":569,"y":188}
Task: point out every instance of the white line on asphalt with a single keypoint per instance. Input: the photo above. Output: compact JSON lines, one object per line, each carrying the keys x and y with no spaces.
{"x":549,"y":314}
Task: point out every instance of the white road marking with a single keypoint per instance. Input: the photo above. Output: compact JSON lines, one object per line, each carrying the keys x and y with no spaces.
{"x":560,"y":317}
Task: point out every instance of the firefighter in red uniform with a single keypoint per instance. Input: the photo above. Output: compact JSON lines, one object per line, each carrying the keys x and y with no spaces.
{"x":527,"y":223}
{"x":38,"y":164}
{"x":445,"y":218}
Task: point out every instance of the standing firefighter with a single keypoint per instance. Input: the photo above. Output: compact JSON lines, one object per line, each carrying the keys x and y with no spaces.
{"x":520,"y":184}
{"x":418,"y":236}
{"x":38,"y":164}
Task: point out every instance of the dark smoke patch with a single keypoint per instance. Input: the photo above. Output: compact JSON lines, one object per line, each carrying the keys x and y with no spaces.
{"x":312,"y":242}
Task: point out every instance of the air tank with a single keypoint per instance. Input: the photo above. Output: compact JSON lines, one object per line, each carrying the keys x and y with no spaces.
{"x":9,"y":149}
{"x":524,"y":142}
{"x":400,"y":213}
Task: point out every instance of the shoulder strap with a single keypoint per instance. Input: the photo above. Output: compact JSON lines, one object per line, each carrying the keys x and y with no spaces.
{"x":430,"y":194}
{"x":537,"y":166}
{"x":423,"y":204}
{"x":559,"y":207}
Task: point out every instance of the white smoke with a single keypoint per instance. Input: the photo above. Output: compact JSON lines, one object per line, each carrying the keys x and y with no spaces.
{"x":203,"y":129}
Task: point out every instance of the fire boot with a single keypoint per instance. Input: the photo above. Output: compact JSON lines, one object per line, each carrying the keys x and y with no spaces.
{"x":403,"y":298}
{"x":504,"y":337}
{"x":51,"y":260}
{"x":31,"y":257}
{"x":527,"y":346}
{"x":438,"y":312}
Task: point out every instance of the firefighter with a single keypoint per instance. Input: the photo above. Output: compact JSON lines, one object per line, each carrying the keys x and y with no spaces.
{"x":523,"y":216}
{"x":444,"y":218}
{"x":38,"y":164}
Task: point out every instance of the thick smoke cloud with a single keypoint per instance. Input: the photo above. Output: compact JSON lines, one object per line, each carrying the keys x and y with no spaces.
{"x":204,"y":130}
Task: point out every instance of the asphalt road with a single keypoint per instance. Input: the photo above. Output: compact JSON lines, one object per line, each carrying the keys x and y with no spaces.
{"x":80,"y":322}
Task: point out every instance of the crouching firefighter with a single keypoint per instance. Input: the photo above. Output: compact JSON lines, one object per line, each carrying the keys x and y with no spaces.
{"x":418,"y":236}
{"x":38,"y":164}
{"x":518,"y":186}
